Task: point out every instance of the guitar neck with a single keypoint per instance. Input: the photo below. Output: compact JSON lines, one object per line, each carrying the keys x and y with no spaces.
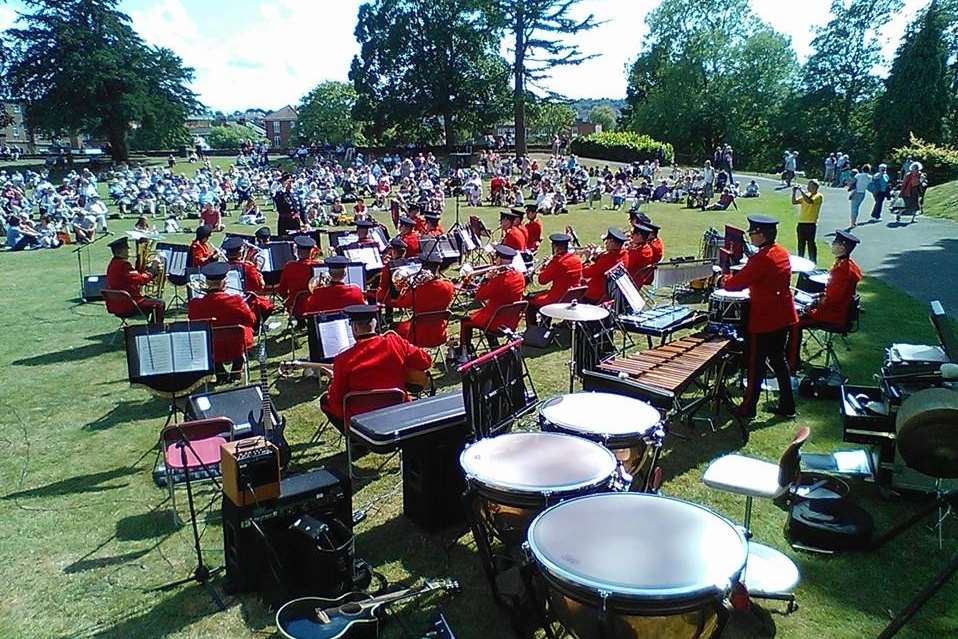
{"x":400,"y":595}
{"x":267,"y":403}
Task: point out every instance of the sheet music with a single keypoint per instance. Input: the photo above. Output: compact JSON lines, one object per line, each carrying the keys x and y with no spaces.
{"x":234,"y":282}
{"x":346,"y":239}
{"x":518,"y":263}
{"x":266,"y":258}
{"x":176,"y":262}
{"x":335,"y":337}
{"x":189,"y":351}
{"x":631,"y":294}
{"x":367,"y":255}
{"x":379,"y":235}
{"x":466,"y":241}
{"x":155,"y":354}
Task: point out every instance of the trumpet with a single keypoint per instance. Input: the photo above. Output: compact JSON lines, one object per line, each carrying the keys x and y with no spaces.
{"x":467,"y":271}
{"x":318,"y":281}
{"x":588,"y":253}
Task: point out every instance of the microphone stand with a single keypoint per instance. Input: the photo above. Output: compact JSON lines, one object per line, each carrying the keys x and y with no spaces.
{"x":78,"y":251}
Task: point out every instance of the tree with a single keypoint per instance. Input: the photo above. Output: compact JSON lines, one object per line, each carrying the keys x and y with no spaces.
{"x":604,"y":115}
{"x":549,"y":119}
{"x":427,"y":66}
{"x":916,"y":97}
{"x":230,"y":136}
{"x":536,"y":27}
{"x":325,"y":114}
{"x":81,"y":67}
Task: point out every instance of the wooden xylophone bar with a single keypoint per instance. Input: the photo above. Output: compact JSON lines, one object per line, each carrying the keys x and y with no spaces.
{"x":672,"y":366}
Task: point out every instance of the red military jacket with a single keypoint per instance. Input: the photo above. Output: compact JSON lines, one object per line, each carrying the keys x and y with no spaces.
{"x":335,"y":297}
{"x":385,"y":284}
{"x":435,"y":232}
{"x":767,"y":276}
{"x":252,"y":278}
{"x":121,"y":276}
{"x":295,"y":278}
{"x":224,"y":309}
{"x":374,"y":361}
{"x":563,"y":272}
{"x":502,"y":289}
{"x":434,"y":295}
{"x":201,"y":253}
{"x":594,"y":273}
{"x":836,"y":302}
{"x":515,"y":238}
{"x":421,"y":227}
{"x":640,"y":259}
{"x":411,"y":238}
{"x":533,"y":234}
{"x":658,"y":249}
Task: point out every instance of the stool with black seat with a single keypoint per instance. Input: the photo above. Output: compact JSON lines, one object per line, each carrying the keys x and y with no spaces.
{"x":506,"y":316}
{"x":824,"y":335}
{"x":119,"y":303}
{"x":769,"y":574}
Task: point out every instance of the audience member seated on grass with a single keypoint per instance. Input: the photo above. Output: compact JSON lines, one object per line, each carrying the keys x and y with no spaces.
{"x":661,"y":191}
{"x":619,"y":193}
{"x":21,"y":235}
{"x":84,"y":226}
{"x":726,"y":199}
{"x":751,"y":190}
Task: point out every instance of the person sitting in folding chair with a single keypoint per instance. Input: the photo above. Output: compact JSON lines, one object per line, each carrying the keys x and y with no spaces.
{"x":224,"y":308}
{"x":594,"y":272}
{"x":409,"y":236}
{"x":426,"y":292}
{"x":533,"y":228}
{"x":513,"y":232}
{"x":500,"y":289}
{"x":433,"y":225}
{"x":563,"y":270}
{"x":830,"y":311}
{"x":252,"y":279}
{"x":641,"y":260}
{"x":201,"y":252}
{"x":336,"y":294}
{"x":121,"y":276}
{"x":294,"y":280}
{"x":373,"y":362}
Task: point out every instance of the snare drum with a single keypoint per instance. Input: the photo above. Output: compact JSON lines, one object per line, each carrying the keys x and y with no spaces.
{"x":729,"y":308}
{"x":622,"y":424}
{"x":517,"y":475}
{"x":631,"y":565}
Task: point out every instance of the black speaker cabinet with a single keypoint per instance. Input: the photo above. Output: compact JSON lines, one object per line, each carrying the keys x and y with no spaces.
{"x":92,"y":285}
{"x":235,"y":403}
{"x":433,"y":482}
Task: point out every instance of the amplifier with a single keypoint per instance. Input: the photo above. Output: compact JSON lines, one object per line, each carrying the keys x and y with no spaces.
{"x":268,"y":549}
{"x":235,"y":403}
{"x":250,"y":469}
{"x":92,"y":284}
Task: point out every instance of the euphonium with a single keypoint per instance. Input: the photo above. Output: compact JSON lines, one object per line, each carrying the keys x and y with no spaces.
{"x":147,"y":260}
{"x":317,"y":281}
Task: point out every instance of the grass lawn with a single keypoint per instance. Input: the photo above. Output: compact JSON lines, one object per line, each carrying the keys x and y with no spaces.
{"x":83,"y":529}
{"x":942,"y":201}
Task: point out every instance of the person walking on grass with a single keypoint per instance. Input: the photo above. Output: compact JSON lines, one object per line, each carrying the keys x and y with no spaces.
{"x":809,"y":206}
{"x":857,"y":190}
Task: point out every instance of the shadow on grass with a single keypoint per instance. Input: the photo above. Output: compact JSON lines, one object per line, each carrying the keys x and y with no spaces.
{"x":128,"y":411}
{"x":99,"y":345}
{"x":89,"y":483}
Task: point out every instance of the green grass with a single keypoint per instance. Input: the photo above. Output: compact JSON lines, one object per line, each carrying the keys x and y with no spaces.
{"x":83,"y":529}
{"x":942,"y":201}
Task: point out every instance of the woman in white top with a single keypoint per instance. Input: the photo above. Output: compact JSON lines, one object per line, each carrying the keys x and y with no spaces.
{"x":708,"y":178}
{"x":858,"y":189}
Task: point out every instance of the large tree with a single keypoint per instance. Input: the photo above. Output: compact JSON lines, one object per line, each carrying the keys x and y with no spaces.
{"x":549,"y":118}
{"x":604,"y":115}
{"x":427,"y":66}
{"x":539,"y":30}
{"x":916,"y":97}
{"x":81,"y":67}
{"x":325,"y":114}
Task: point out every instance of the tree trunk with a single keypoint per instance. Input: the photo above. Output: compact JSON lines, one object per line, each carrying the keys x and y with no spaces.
{"x":119,"y":146}
{"x":449,"y":130}
{"x":519,"y":97}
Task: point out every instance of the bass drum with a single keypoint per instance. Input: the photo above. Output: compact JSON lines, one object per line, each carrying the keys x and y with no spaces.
{"x":633,"y":566}
{"x":518,"y":475}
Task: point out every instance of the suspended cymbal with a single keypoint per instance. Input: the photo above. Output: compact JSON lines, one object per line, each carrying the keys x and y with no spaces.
{"x":927,"y":426}
{"x":574,"y":312}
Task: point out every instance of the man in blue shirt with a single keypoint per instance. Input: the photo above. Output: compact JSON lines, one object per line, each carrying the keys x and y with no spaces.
{"x":19,"y":238}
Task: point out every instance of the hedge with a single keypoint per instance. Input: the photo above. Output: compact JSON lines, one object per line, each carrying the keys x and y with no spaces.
{"x":940,"y":162}
{"x":622,"y":146}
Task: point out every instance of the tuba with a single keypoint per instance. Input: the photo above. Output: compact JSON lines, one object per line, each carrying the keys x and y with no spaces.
{"x":149,"y":261}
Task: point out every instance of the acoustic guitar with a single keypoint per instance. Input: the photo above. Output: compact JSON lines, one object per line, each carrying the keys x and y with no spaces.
{"x":345,"y":616}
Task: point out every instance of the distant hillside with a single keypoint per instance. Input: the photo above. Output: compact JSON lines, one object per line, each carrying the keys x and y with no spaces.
{"x":583,"y":106}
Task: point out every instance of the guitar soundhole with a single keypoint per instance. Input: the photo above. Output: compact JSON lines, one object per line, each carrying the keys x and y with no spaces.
{"x":351,"y":609}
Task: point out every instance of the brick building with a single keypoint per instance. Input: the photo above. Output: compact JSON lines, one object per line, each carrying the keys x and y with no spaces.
{"x":278,"y":125}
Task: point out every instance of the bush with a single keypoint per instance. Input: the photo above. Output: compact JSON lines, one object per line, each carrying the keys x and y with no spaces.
{"x":622,"y":146}
{"x":940,"y":162}
{"x":230,"y":136}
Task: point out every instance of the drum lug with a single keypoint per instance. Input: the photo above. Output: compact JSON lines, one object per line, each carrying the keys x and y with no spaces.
{"x":604,"y":611}
{"x":622,"y":480}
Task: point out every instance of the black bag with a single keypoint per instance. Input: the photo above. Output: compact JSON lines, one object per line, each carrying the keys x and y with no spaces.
{"x":539,"y":336}
{"x":829,"y":525}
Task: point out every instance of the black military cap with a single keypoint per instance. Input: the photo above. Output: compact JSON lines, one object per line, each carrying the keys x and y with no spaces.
{"x":641,"y":228}
{"x":505,"y":251}
{"x":432,"y":217}
{"x":263,"y":232}
{"x":761,"y":222}
{"x":216,"y":271}
{"x":119,"y":243}
{"x":615,"y":233}
{"x":361,"y":312}
{"x":232,"y":244}
{"x":844,"y":236}
{"x":398,"y":242}
{"x":365,"y":224}
{"x":560,"y":238}
{"x":511,"y":214}
{"x":304,"y":242}
{"x":203,"y":230}
{"x":336,"y":261}
{"x":405,"y":220}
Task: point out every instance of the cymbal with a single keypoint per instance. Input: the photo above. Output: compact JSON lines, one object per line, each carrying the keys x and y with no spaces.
{"x":574,"y":312}
{"x":801,"y":264}
{"x":927,"y":438}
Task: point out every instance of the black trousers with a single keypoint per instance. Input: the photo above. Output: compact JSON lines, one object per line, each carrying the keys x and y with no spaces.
{"x":762,"y":348}
{"x":806,"y":239}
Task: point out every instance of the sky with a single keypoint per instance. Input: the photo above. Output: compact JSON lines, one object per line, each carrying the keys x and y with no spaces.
{"x":269,"y":53}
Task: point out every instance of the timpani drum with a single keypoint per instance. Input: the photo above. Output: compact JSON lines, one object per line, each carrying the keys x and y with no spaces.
{"x":634,"y":565}
{"x":518,"y":475}
{"x":624,"y":425}
{"x":729,"y":308}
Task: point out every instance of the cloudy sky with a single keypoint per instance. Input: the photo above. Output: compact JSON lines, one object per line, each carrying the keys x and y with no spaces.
{"x":268,"y":53}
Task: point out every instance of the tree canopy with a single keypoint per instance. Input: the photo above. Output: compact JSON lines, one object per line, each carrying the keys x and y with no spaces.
{"x":81,"y":67}
{"x":425,"y":67}
{"x":230,"y":136}
{"x":325,"y":114}
{"x":549,"y":118}
{"x":604,"y":115}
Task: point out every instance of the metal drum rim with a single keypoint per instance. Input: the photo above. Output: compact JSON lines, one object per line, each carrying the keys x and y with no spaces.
{"x":634,"y":595}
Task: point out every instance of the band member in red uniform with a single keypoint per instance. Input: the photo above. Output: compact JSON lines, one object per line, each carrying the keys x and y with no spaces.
{"x":640,"y":255}
{"x":415,"y":214}
{"x":832,"y":308}
{"x":337,"y":294}
{"x":296,"y":275}
{"x":658,"y":248}
{"x":533,"y":227}
{"x":374,"y":361}
{"x":121,"y":276}
{"x":434,"y":293}
{"x":363,"y":235}
{"x":594,"y":273}
{"x":496,"y":291}
{"x":395,"y":251}
{"x":408,"y":234}
{"x":433,"y":225}
{"x":513,"y":234}
{"x":262,"y":236}
{"x":563,"y":271}
{"x":223,"y":309}
{"x":201,"y":251}
{"x":767,"y":275}
{"x":252,"y":279}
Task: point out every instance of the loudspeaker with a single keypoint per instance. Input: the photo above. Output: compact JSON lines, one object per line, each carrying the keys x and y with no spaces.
{"x":235,"y":403}
{"x":250,"y":469}
{"x":433,"y":482}
{"x":92,"y":284}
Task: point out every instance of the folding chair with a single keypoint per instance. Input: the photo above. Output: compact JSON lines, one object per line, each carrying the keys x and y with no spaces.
{"x":506,"y":316}
{"x":292,"y":319}
{"x":118,"y":304}
{"x":420,"y":333}
{"x":202,"y":454}
{"x":229,"y":345}
{"x":824,"y":335}
{"x":358,"y":402}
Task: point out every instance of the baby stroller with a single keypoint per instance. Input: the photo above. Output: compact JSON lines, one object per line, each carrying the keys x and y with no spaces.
{"x":908,"y":206}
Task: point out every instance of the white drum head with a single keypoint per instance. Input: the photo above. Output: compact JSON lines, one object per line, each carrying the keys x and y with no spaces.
{"x":723,"y":295}
{"x":603,"y":414}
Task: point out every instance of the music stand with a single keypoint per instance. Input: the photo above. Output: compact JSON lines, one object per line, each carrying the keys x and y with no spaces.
{"x":496,"y":390}
{"x":276,"y":256}
{"x":235,"y":281}
{"x":329,"y":334}
{"x":355,"y":273}
{"x":176,"y":259}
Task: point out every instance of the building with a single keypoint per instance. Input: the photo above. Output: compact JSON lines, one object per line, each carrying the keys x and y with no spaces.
{"x":278,"y":125}
{"x":584,"y":127}
{"x":17,"y":134}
